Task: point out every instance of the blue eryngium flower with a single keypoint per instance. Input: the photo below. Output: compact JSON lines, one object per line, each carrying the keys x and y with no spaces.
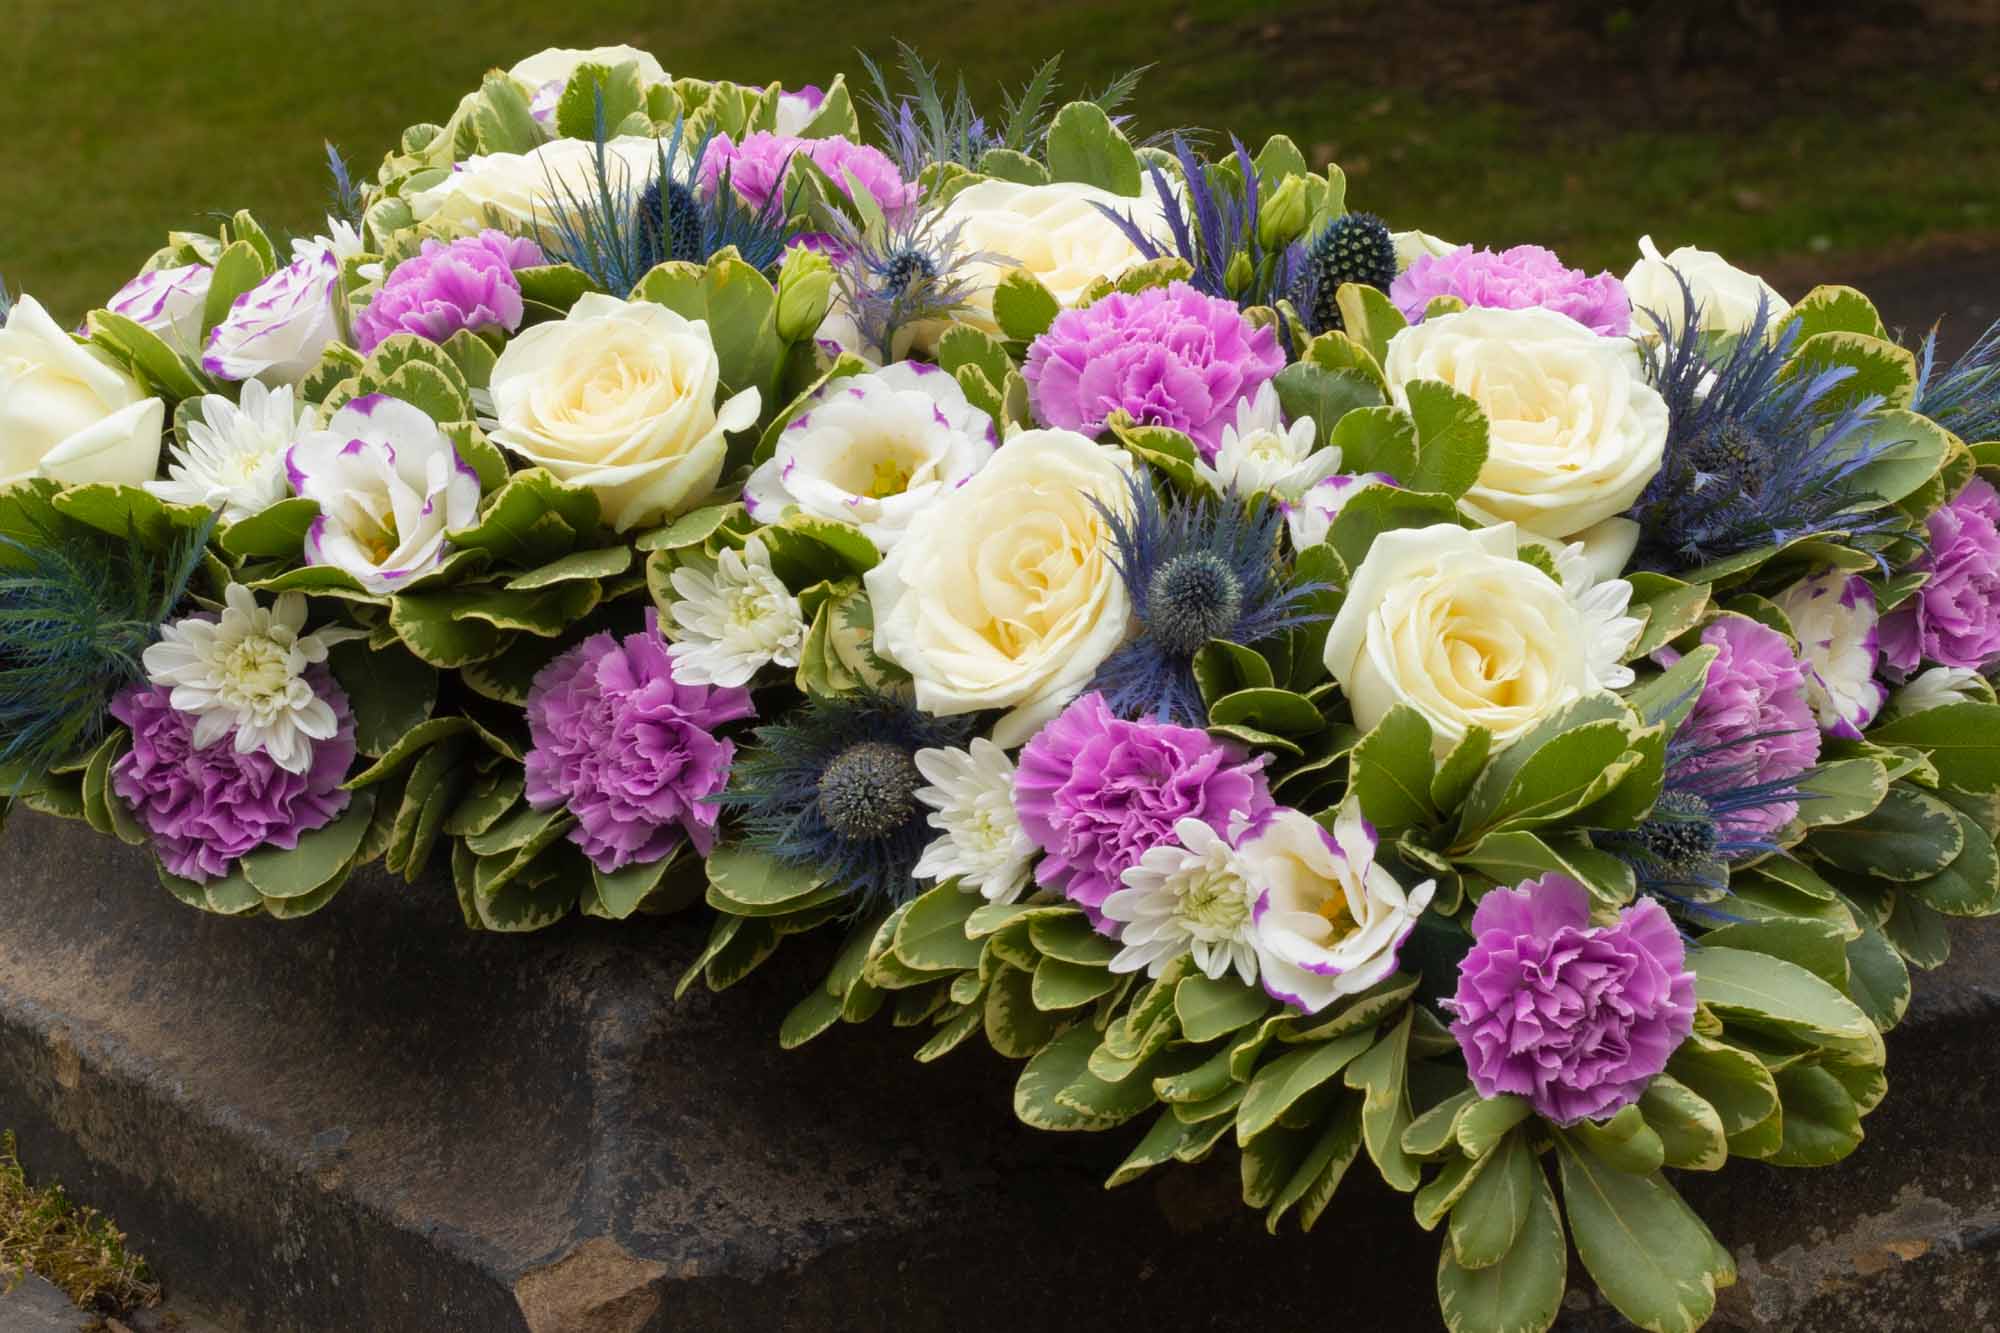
{"x":1754,"y":457}
{"x":1201,"y":570}
{"x":909,"y":270}
{"x":1354,"y":247}
{"x":833,"y":788}
{"x":346,"y":201}
{"x":1215,"y":223}
{"x":1964,"y":397}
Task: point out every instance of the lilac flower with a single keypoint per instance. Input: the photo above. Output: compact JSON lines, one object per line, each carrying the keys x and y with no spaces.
{"x":276,"y":331}
{"x":757,"y":168}
{"x":1169,"y":356}
{"x":1515,"y":279}
{"x":1095,"y":793}
{"x":1752,"y":722}
{"x":629,"y":750}
{"x":467,"y":284}
{"x":1954,"y":619}
{"x":1577,"y":1018}
{"x":207,"y":806}
{"x":168,"y":302}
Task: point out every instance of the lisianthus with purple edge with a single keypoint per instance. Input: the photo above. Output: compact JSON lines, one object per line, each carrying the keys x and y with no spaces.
{"x":1096,"y":792}
{"x":1168,"y":356}
{"x":758,"y":166}
{"x":1752,"y":720}
{"x":1515,"y":279}
{"x":465,"y":284}
{"x":1954,"y":618}
{"x":628,"y":749}
{"x":168,"y":302}
{"x":1579,"y":1019}
{"x":276,"y":331}
{"x":208,"y":806}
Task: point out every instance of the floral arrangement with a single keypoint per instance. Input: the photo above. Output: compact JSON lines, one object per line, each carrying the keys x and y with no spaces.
{"x":1309,"y":691}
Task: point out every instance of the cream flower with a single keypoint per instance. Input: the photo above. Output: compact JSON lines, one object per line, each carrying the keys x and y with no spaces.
{"x":1574,"y":431}
{"x":873,"y":451}
{"x":1003,"y":594}
{"x":555,"y":64}
{"x":169,"y":302}
{"x":731,"y":617}
{"x":1057,"y":232}
{"x":1939,"y":686}
{"x":244,"y":672}
{"x":620,"y":397}
{"x":1833,"y":616}
{"x":521,"y":191}
{"x":1725,"y":296}
{"x":1414,"y":245}
{"x":234,"y":461}
{"x":1329,"y":920}
{"x":67,"y":412}
{"x":1453,"y":623}
{"x":1194,"y":898}
{"x":1260,"y":453}
{"x":981,"y":842}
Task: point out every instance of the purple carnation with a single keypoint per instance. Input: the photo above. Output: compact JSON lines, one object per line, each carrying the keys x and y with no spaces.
{"x":207,"y":807}
{"x":1515,"y":279}
{"x":628,"y":749}
{"x":1095,"y":793}
{"x":757,"y":167}
{"x":1576,"y":1018}
{"x":1752,"y":723}
{"x":468,"y":284}
{"x":1169,"y":356}
{"x":1954,"y":619}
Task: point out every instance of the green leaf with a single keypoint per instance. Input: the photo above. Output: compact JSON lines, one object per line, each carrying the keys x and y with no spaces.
{"x":619,"y":892}
{"x":1379,"y":1073}
{"x":1451,"y":438}
{"x":320,"y":856}
{"x":1834,"y":309}
{"x":1309,"y":390}
{"x":690,"y":529}
{"x":427,"y":623}
{"x":406,"y":747}
{"x":1843,"y":790}
{"x":1521,"y":1292}
{"x":1375,"y":439}
{"x":279,"y":530}
{"x":1488,"y":1217}
{"x":389,"y":691}
{"x":1054,"y":1069}
{"x":159,"y":365}
{"x":1023,"y":307}
{"x":931,"y":936}
{"x":1670,"y":696}
{"x":1291,"y":1076}
{"x":1820,"y":947}
{"x":808,"y":1018}
{"x":1370,"y":318}
{"x":1908,"y":837}
{"x":1625,"y":1141}
{"x":1062,"y":985}
{"x":1878,"y":979}
{"x":1210,"y":1008}
{"x":1689,"y":1129}
{"x":1730,"y":1080}
{"x":1083,"y":145}
{"x":1648,"y":1252}
{"x":1970,"y":885}
{"x":1762,"y":988}
{"x":1671,"y":608}
{"x":1320,"y":1171}
{"x":1375,"y":510}
{"x":1880,"y":367}
{"x":597,"y":91}
{"x":1962,"y":739}
{"x":746,"y":878}
{"x":1460,"y":769}
{"x":1016,"y":1026}
{"x":603,"y":563}
{"x":1821,"y":1123}
{"x":236,"y":270}
{"x":1392,"y":771}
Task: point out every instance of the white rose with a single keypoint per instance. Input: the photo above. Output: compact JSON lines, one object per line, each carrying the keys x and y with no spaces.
{"x":1056,"y":232}
{"x":1574,"y":431}
{"x":1725,"y":295}
{"x":556,"y":63}
{"x":522,"y":192}
{"x":1003,"y":593}
{"x":1451,"y":622}
{"x":620,"y":397}
{"x":67,"y":412}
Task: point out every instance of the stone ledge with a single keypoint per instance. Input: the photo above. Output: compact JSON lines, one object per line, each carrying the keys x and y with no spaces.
{"x":375,"y":1119}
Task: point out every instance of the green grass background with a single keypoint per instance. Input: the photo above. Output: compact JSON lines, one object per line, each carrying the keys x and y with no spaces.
{"x":129,"y":117}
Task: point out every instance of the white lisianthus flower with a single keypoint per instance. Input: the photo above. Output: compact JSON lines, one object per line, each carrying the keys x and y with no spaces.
{"x":244,"y":673}
{"x":731,"y":617}
{"x":619,"y":396}
{"x":1311,"y":516}
{"x":1574,"y":432}
{"x":1833,"y":616}
{"x":522,"y":191}
{"x":1453,"y":623}
{"x":389,"y":485}
{"x":276,"y":331}
{"x":1195,"y":897}
{"x":1937,"y":686}
{"x":873,"y":451}
{"x":167,"y":302}
{"x":234,"y":461}
{"x":1003,"y":593}
{"x":797,"y":109}
{"x":67,"y":412}
{"x":982,"y":843}
{"x":1725,"y":296}
{"x":1329,"y":920}
{"x":1057,"y":232}
{"x":1260,"y":453}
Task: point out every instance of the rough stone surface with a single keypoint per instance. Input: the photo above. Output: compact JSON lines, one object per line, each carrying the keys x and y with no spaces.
{"x":374,"y":1119}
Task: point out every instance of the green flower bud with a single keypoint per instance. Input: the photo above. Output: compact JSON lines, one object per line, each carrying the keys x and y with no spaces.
{"x":1282,"y":219}
{"x":805,"y":291}
{"x":1239,"y":275}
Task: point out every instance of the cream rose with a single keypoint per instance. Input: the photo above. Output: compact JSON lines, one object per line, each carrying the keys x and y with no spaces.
{"x":67,"y":412}
{"x":1003,"y":593}
{"x":522,"y":191}
{"x":1574,"y":431}
{"x":620,"y":397}
{"x":1451,"y":622}
{"x":556,"y":63}
{"x":1725,"y":295}
{"x":1056,"y":232}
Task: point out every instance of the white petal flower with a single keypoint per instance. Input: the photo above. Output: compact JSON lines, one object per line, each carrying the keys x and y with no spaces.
{"x":244,"y":673}
{"x":1608,"y":633}
{"x":276,"y":331}
{"x":1310,"y":517}
{"x":1195,"y":898}
{"x":1833,"y":615}
{"x":1329,"y":920}
{"x":235,"y":455}
{"x":1938,"y":686}
{"x":731,"y":617}
{"x":1261,"y":453}
{"x":971,"y":797}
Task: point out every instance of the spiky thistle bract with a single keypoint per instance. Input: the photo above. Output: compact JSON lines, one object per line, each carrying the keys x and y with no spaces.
{"x":1354,"y":247}
{"x":833,"y":788}
{"x":1211,"y":226}
{"x":1963,"y":397}
{"x":1194,"y":571}
{"x":896,"y":272}
{"x":346,"y":201}
{"x":6,"y":301}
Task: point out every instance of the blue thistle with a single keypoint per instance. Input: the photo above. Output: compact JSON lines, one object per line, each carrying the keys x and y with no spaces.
{"x":833,"y":788}
{"x":1206,"y":569}
{"x":910,"y":270}
{"x":346,"y":202}
{"x":1354,"y":247}
{"x":1753,"y":457}
{"x":1964,"y":397}
{"x":6,"y":301}
{"x":1217,"y":222}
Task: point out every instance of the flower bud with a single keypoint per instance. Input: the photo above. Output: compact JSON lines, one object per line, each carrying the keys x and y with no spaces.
{"x":1239,"y":275}
{"x":1282,"y":219}
{"x":805,"y":291}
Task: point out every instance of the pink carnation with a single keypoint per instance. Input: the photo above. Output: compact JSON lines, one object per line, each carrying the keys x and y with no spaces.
{"x":758,"y":165}
{"x":1515,"y":279}
{"x":1752,"y":723}
{"x":1954,"y":619}
{"x":468,"y":284}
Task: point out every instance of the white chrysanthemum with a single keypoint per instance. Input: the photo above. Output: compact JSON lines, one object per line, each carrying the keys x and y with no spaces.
{"x":1261,"y":453}
{"x":731,"y":617}
{"x":972,"y":801}
{"x":1938,"y":686}
{"x":1310,"y":517}
{"x":235,"y":455}
{"x":1608,"y":632}
{"x":1195,"y":898}
{"x":245,"y":673}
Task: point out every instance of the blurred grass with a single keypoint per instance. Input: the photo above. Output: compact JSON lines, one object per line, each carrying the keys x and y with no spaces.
{"x":149,"y":115}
